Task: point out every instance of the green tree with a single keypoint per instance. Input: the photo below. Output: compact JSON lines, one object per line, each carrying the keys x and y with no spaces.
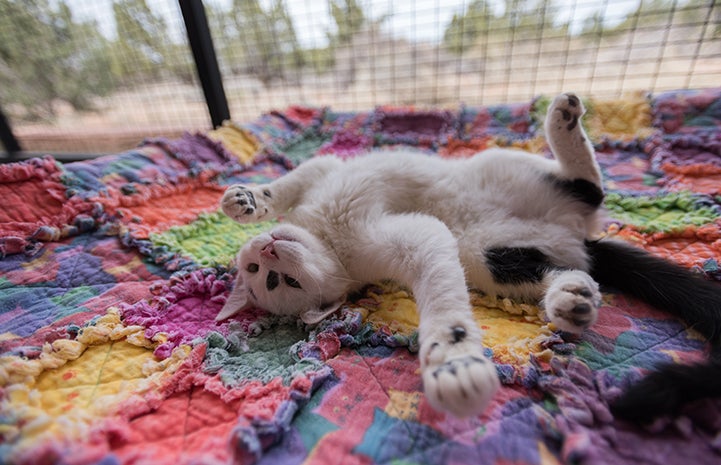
{"x":141,"y":47}
{"x":225,"y":38}
{"x":266,"y":45}
{"x":464,"y":29}
{"x":46,"y":55}
{"x":522,"y":18}
{"x":349,"y":19}
{"x":657,"y":13}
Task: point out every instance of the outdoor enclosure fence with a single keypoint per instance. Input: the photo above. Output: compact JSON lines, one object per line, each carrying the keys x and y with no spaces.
{"x":89,"y":76}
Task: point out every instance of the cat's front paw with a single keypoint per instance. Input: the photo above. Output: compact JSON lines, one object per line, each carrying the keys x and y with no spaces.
{"x":245,"y":204}
{"x":565,"y":112}
{"x":572,"y":300}
{"x":457,"y":377}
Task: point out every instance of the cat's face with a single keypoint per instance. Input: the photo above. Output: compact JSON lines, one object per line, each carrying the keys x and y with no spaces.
{"x":288,"y":271}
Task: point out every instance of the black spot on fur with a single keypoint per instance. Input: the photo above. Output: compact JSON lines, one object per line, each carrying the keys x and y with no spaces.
{"x":573,"y":123}
{"x":251,"y":197}
{"x":573,"y":100}
{"x":459,"y":334}
{"x":566,"y":115}
{"x":579,"y":189}
{"x":291,"y":282}
{"x":516,"y":265}
{"x":272,"y":281}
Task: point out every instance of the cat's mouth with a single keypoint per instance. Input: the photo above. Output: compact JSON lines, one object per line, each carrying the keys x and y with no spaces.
{"x":282,"y":237}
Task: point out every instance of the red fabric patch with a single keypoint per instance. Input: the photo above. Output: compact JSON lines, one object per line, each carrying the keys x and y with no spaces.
{"x":38,"y":200}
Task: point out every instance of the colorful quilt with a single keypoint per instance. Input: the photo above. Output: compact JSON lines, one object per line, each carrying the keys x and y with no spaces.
{"x":113,"y":269}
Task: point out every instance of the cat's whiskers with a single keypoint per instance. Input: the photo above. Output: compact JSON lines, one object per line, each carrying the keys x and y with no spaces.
{"x":340,"y":278}
{"x":297,"y":269}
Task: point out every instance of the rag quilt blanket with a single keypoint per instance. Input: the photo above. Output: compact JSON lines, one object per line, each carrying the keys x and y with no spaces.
{"x":113,"y":270}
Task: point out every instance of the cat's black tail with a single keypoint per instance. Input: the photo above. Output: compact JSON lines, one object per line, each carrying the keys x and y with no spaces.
{"x":674,"y":289}
{"x":667,"y":389}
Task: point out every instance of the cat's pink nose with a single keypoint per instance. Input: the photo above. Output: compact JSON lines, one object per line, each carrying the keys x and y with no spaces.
{"x":268,"y":251}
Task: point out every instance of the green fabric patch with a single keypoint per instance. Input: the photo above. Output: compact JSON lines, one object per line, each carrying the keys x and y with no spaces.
{"x":663,"y":213}
{"x":311,"y":426}
{"x":265,"y":357}
{"x":213,"y":239}
{"x":304,"y":147}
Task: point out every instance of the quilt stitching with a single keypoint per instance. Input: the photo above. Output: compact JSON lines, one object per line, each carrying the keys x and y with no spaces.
{"x":659,"y":171}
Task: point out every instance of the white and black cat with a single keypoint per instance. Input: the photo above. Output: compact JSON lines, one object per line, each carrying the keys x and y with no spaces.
{"x":504,"y":222}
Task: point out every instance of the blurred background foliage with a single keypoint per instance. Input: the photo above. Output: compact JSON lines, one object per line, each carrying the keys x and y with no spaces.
{"x":48,"y":55}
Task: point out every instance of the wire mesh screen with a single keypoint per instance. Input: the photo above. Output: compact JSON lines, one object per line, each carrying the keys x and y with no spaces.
{"x":100,"y":75}
{"x":90,"y":76}
{"x":355,"y":54}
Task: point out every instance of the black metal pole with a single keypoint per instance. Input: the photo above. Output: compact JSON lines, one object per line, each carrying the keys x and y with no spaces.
{"x":201,"y":43}
{"x":7,"y":137}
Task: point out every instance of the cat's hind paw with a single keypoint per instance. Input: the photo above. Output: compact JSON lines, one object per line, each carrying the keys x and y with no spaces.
{"x":457,"y":377}
{"x":565,"y":112}
{"x":572,"y":300}
{"x":245,"y":204}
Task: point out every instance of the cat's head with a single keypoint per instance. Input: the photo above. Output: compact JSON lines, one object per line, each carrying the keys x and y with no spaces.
{"x":288,"y":271}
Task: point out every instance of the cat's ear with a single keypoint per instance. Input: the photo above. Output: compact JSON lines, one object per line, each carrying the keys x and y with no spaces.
{"x":237,"y":301}
{"x":316,"y":314}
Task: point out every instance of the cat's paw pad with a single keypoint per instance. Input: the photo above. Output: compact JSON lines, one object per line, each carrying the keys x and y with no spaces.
{"x":244,"y":204}
{"x":565,"y":111}
{"x":457,"y":377}
{"x":572,"y":301}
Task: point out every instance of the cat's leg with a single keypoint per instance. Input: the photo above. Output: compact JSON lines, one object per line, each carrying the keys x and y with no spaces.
{"x":420,"y":252}
{"x":249,"y":204}
{"x":569,"y":297}
{"x":568,"y":140}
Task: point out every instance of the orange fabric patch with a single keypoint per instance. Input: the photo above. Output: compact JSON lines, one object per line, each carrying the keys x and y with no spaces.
{"x":169,"y":206}
{"x":701,"y":178}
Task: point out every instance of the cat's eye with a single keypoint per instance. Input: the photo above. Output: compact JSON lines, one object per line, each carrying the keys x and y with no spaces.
{"x":291,"y":282}
{"x":252,"y":268}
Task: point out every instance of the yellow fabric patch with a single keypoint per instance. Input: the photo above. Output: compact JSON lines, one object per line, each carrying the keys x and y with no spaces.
{"x":534,"y":145}
{"x":403,"y":405}
{"x":239,"y":142}
{"x":394,"y":309}
{"x":74,"y":382}
{"x":105,"y":370}
{"x":622,"y":119}
{"x":513,"y":330}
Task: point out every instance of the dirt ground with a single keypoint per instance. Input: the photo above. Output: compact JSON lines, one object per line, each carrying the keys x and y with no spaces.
{"x":373,"y":72}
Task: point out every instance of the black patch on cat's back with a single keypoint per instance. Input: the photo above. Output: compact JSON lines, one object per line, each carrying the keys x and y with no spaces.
{"x":579,"y":189}
{"x":517,"y":265}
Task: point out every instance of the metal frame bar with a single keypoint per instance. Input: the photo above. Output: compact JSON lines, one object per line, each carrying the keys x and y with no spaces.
{"x":206,"y":63}
{"x":62,"y":157}
{"x":9,"y":141}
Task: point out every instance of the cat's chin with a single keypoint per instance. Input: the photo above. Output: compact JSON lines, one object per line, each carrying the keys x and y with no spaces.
{"x":283,"y":236}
